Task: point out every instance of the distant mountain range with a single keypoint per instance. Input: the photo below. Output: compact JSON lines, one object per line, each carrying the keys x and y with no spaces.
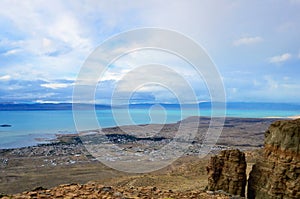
{"x":205,"y":105}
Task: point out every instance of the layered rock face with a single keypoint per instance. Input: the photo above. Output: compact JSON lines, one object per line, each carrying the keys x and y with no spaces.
{"x":276,"y":175}
{"x":227,"y":172}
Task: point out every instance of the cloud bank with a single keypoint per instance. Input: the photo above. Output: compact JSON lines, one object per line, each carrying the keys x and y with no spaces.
{"x":42,"y":48}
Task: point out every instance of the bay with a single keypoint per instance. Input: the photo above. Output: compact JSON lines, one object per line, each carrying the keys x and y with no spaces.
{"x":37,"y":123}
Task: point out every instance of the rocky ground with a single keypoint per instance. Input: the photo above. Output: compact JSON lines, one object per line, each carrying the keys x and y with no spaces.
{"x":66,"y":161}
{"x":93,"y":190}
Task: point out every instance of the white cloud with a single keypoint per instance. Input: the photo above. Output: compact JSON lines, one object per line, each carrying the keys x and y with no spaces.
{"x":54,"y":39}
{"x":5,"y":78}
{"x":247,"y":41}
{"x":280,"y":58}
{"x":47,"y":101}
{"x":11,"y":52}
{"x":55,"y":85}
{"x":271,"y":83}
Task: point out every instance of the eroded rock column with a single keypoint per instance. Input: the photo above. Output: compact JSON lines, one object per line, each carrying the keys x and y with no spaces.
{"x":227,"y":172}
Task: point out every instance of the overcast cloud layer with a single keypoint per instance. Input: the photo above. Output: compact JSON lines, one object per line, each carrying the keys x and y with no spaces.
{"x":255,"y":45}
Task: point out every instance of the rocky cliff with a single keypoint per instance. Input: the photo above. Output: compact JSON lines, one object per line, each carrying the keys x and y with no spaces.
{"x":227,"y":172}
{"x":276,"y":175}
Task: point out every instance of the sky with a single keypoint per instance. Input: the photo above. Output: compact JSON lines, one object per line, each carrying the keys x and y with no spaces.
{"x":255,"y":46}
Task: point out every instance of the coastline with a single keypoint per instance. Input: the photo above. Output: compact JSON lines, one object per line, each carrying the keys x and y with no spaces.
{"x":34,"y":129}
{"x":41,"y":139}
{"x":294,"y":117}
{"x":48,"y":138}
{"x":286,"y":117}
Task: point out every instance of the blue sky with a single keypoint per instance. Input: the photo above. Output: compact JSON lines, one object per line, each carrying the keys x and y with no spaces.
{"x":255,"y":45}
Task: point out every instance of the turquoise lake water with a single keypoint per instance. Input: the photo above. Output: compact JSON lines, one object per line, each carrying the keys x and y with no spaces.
{"x":28,"y":125}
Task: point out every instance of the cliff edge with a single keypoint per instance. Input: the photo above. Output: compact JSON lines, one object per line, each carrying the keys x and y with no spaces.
{"x":276,"y":175}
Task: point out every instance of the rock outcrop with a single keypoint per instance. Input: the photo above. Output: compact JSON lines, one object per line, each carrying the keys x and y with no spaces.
{"x":276,"y":175}
{"x":227,"y":172}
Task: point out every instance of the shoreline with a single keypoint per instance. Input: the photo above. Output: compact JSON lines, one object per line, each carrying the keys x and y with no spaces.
{"x":286,"y":117}
{"x":294,"y":117}
{"x":59,"y":138}
{"x":52,"y":138}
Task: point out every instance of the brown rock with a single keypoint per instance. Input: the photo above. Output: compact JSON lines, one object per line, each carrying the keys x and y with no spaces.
{"x":277,"y":173}
{"x":227,"y":172}
{"x":88,"y":191}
